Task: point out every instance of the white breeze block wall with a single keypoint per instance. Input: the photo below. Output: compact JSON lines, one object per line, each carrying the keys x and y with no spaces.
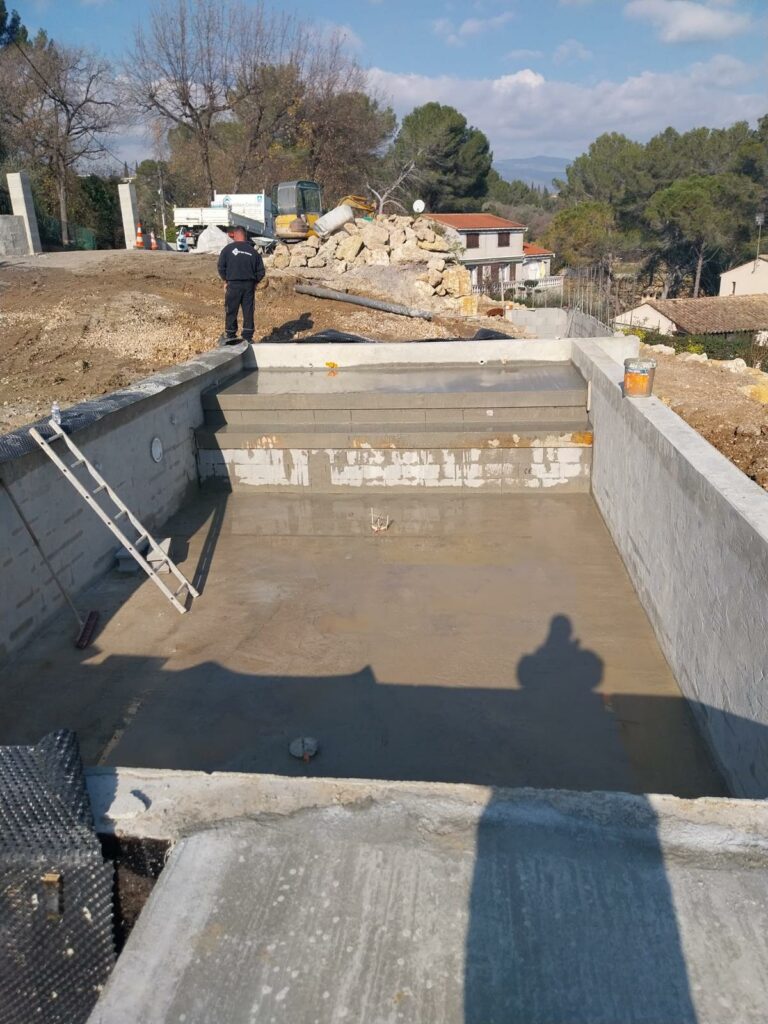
{"x":693,"y":533}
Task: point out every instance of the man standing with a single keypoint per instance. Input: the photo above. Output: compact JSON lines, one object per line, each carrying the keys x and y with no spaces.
{"x":240,"y":268}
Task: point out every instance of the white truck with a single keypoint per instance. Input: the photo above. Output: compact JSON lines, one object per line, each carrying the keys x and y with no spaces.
{"x":252,"y":211}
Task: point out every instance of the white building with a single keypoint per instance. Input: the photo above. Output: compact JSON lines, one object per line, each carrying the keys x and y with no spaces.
{"x":719,"y":314}
{"x":536,"y":265}
{"x":747,"y":279}
{"x":493,"y":246}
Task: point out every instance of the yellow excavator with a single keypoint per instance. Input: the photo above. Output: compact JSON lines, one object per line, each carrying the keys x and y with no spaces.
{"x":296,"y":205}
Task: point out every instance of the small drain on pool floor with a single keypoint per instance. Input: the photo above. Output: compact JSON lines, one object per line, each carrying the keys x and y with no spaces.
{"x":303,"y":747}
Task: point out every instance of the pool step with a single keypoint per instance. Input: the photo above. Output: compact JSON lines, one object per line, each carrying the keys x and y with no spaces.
{"x":497,"y":429}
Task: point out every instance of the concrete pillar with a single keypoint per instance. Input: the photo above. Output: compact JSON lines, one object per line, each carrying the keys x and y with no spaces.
{"x":21,"y":202}
{"x":129,"y":208}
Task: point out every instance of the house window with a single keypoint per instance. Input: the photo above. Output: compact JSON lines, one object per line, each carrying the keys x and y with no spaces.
{"x":473,"y":240}
{"x":503,"y":239}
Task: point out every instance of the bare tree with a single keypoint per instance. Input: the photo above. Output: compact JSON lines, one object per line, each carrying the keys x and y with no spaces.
{"x":225,"y":72}
{"x":390,"y":189}
{"x":58,"y":105}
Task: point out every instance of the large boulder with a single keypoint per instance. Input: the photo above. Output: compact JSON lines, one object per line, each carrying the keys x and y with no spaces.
{"x":349,"y":247}
{"x":396,"y":237}
{"x":457,"y":281}
{"x":434,"y":277}
{"x":423,"y":289}
{"x":282,"y":259}
{"x":409,"y":252}
{"x":351,"y":228}
{"x":377,"y":257}
{"x":437,"y":263}
{"x":313,"y":242}
{"x":317,"y":261}
{"x":436,"y":244}
{"x":375,"y":236}
{"x":298,"y":258}
{"x":424,"y":232}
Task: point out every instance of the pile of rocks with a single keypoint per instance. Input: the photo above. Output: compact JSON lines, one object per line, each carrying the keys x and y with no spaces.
{"x":389,"y":240}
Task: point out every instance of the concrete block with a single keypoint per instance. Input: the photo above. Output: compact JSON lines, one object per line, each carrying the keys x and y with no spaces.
{"x":13,"y":237}
{"x":129,"y":210}
{"x":20,"y":191}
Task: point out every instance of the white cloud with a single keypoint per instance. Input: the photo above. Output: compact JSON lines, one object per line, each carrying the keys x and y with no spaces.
{"x":686,"y":21}
{"x":570,"y":50}
{"x":455,"y":35}
{"x":525,"y":112}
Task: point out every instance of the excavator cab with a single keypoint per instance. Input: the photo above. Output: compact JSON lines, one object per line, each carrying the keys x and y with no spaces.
{"x":296,"y":205}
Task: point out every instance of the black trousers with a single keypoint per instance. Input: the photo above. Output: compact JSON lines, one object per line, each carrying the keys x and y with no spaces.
{"x":239,"y":294}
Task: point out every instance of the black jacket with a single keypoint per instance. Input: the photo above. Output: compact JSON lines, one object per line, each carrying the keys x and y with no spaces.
{"x":239,"y":261}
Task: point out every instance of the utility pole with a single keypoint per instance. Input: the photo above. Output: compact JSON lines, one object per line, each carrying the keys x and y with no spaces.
{"x":161,"y":193}
{"x":759,"y":220}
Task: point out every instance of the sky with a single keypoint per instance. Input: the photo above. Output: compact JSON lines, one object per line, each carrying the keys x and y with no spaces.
{"x":539,"y":77}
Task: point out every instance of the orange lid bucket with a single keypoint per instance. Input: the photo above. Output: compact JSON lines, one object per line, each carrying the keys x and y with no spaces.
{"x":638,"y":377}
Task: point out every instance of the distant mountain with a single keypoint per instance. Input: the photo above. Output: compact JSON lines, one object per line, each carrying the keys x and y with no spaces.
{"x":533,"y":170}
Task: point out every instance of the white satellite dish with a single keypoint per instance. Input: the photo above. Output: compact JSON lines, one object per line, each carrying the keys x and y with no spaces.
{"x":419,"y":206}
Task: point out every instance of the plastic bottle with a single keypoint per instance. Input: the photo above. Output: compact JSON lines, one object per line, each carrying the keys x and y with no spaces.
{"x":56,"y":413}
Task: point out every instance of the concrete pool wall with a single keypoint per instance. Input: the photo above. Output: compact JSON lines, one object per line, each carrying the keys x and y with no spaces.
{"x":692,"y":530}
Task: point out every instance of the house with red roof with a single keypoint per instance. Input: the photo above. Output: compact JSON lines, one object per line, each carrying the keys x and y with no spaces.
{"x":537,"y":263}
{"x":495,"y":250}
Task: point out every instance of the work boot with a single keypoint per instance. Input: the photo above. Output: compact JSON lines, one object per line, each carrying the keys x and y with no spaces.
{"x":227,"y":339}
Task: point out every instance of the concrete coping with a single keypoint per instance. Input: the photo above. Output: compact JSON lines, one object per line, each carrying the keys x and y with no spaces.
{"x":166,"y":805}
{"x":18,"y":443}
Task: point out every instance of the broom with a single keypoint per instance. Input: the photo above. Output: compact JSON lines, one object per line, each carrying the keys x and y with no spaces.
{"x":87,"y":626}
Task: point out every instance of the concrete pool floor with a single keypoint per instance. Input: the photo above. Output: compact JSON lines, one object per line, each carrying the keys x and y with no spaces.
{"x":494,"y":640}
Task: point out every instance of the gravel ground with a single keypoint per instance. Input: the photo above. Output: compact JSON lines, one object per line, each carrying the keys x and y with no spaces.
{"x":729,"y":409}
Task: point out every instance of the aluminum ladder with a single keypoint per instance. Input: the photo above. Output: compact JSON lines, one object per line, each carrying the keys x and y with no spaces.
{"x":111,"y":519}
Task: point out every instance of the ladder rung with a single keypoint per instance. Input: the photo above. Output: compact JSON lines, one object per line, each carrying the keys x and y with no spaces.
{"x":182,"y":587}
{"x":76,"y":463}
{"x":122,"y":512}
{"x":99,"y":489}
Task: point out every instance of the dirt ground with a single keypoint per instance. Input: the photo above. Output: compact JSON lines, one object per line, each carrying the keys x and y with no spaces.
{"x":77,"y":325}
{"x":729,"y":409}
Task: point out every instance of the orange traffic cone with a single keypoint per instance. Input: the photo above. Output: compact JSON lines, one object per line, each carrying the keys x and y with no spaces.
{"x":153,"y":241}
{"x":139,"y":243}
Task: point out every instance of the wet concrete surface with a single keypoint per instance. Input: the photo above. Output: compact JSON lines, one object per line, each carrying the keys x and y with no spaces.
{"x":409,"y":380}
{"x":494,"y":640}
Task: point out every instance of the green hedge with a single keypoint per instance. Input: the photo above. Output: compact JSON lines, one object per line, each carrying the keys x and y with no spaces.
{"x":717,"y":346}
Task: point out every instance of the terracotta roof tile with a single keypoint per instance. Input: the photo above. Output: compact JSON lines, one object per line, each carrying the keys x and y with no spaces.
{"x":724,"y":314}
{"x":476,"y":222}
{"x":531,"y":249}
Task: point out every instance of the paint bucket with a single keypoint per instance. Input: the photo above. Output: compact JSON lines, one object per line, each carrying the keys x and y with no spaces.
{"x":638,"y":377}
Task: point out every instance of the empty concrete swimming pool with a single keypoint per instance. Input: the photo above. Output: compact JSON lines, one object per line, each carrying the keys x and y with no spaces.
{"x":510,"y":605}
